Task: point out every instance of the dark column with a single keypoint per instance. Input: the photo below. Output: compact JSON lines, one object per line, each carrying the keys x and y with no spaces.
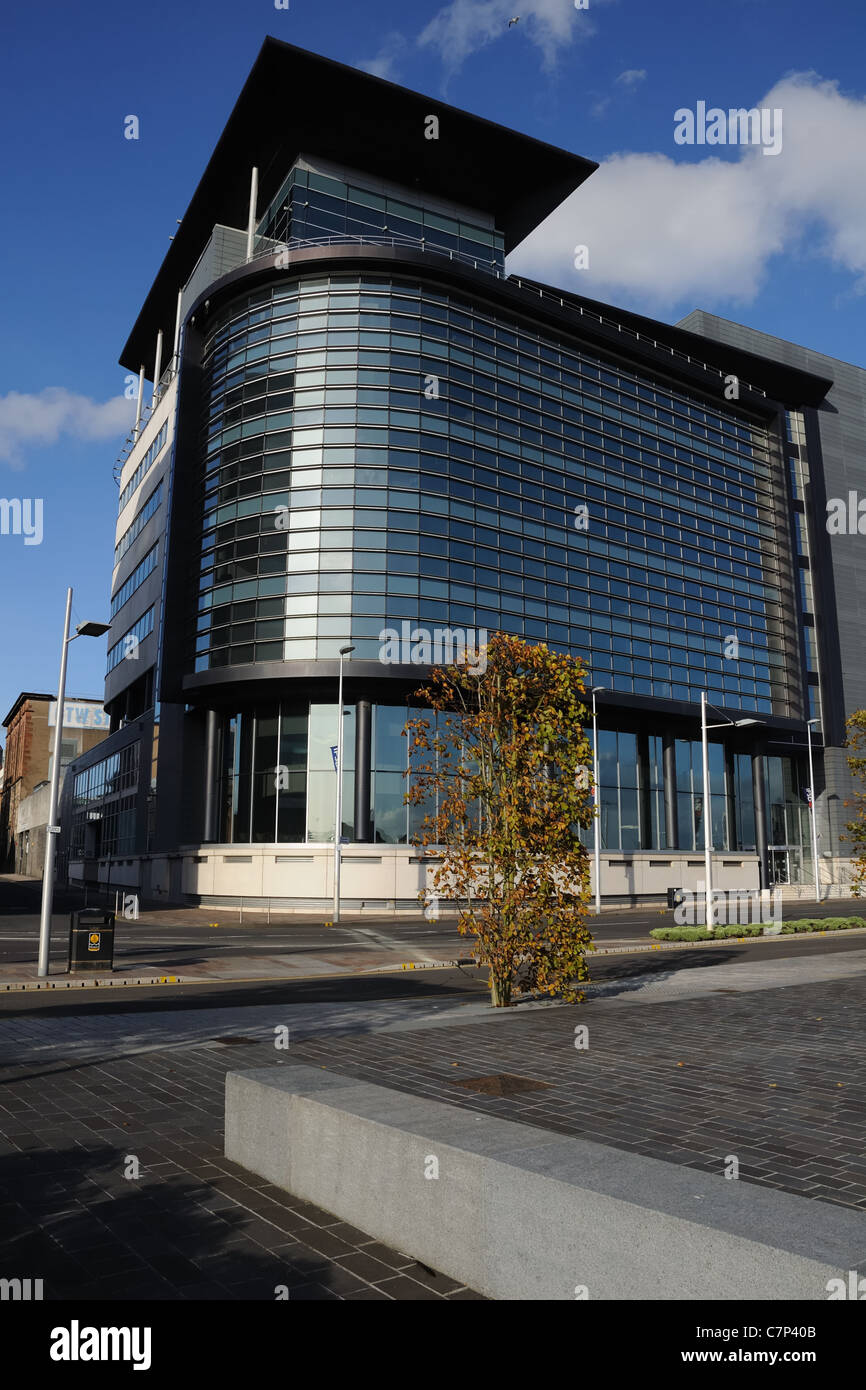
{"x":645,"y":813}
{"x":760,"y":800}
{"x":730,"y":797}
{"x":211,"y":776}
{"x":669,"y":754}
{"x":363,"y":731}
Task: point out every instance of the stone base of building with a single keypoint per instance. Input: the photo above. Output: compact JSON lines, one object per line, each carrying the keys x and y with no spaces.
{"x":389,"y":878}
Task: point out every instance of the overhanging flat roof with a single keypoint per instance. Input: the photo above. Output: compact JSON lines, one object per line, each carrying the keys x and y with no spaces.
{"x":296,"y":102}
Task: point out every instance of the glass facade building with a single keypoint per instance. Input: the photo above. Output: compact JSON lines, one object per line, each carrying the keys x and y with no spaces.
{"x":373,"y":425}
{"x":540,"y":491}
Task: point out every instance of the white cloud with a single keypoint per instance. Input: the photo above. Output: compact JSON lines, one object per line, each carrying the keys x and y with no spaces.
{"x":463,"y":27}
{"x":36,"y":420}
{"x":386,"y":60}
{"x":632,"y":77}
{"x":662,"y":230}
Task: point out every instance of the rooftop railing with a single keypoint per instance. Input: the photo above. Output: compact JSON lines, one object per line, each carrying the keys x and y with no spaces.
{"x":532,"y":288}
{"x":269,"y":246}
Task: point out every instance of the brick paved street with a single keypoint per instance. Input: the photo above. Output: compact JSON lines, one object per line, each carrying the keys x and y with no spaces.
{"x":775,"y":1077}
{"x":193,"y":1225}
{"x":688,"y":1065}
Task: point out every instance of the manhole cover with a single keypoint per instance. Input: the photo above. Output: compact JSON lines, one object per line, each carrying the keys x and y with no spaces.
{"x":237,"y":1042}
{"x":504,"y":1084}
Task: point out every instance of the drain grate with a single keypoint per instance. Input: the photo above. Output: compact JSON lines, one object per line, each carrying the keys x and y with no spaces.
{"x":503,"y":1084}
{"x":237,"y":1042}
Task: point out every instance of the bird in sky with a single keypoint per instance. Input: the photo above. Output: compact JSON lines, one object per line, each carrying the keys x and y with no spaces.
{"x":515,"y":20}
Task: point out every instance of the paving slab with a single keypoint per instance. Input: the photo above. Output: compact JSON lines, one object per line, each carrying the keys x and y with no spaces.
{"x":772,"y":1076}
{"x":775,"y":1078}
{"x":127,"y":1195}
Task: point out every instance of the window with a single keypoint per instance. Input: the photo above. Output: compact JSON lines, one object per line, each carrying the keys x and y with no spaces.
{"x":135,"y":580}
{"x":390,"y":760}
{"x":139,"y":522}
{"x":127,"y":647}
{"x":690,"y":795}
{"x":149,"y":459}
{"x":685,"y":543}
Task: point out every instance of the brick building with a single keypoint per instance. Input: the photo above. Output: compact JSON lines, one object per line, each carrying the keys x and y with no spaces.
{"x":31,"y":727}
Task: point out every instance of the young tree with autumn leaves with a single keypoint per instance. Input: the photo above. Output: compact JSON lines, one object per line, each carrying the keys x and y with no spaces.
{"x":503,"y":765}
{"x":856,"y":828}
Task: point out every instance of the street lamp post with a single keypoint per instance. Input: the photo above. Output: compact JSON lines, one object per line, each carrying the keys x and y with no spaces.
{"x":338,"y":815}
{"x":809,"y":724}
{"x":596,"y":799}
{"x":708,"y":853}
{"x":82,"y":630}
{"x":705,"y":757}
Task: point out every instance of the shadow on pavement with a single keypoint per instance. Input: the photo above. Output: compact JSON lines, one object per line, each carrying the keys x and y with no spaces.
{"x":72,"y":1219}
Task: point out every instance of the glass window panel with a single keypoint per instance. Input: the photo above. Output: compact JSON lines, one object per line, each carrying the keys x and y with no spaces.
{"x":389,"y":811}
{"x":629,"y":825}
{"x":390,"y":745}
{"x":321,"y":783}
{"x":293,"y":740}
{"x":627,"y":760}
{"x":607,"y":758}
{"x":609,"y":818}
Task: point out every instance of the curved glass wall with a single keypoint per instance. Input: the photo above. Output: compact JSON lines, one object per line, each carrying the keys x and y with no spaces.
{"x":279,"y":770}
{"x":278,"y":784}
{"x":374,"y":450}
{"x":278,"y":778}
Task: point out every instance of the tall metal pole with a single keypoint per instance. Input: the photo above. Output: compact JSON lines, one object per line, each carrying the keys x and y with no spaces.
{"x":53,"y":829}
{"x":708,"y":859}
{"x":251,"y":221}
{"x":597,"y":807}
{"x":138,"y":403}
{"x":812,"y":812}
{"x":174,"y":361}
{"x":338,"y":816}
{"x":157,"y":369}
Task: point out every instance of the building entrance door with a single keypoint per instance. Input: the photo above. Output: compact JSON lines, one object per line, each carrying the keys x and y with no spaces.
{"x":786,"y":864}
{"x":778,"y":865}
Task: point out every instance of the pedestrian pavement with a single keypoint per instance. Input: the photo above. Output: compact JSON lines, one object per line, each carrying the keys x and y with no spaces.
{"x":187,"y":945}
{"x":775,"y":1078}
{"x":120,"y":1032}
{"x":227,"y":961}
{"x":113,"y":1183}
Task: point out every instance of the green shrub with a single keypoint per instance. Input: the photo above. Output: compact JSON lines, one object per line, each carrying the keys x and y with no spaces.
{"x":805,"y":924}
{"x":819,"y":924}
{"x":701,"y":933}
{"x":681,"y":933}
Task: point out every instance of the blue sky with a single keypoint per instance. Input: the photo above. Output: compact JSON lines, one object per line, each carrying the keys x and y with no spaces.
{"x":777,"y":242}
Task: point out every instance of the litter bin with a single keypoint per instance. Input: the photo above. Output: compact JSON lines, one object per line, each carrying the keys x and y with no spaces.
{"x":675,"y":897}
{"x":91,"y":940}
